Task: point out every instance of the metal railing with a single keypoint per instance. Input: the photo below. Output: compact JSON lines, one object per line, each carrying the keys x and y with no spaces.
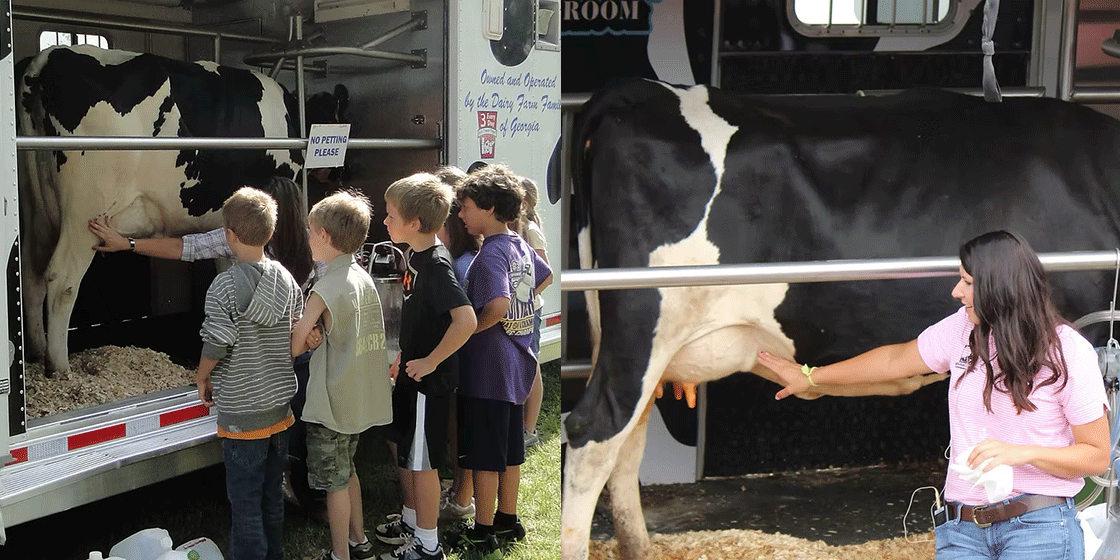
{"x":791,"y":272}
{"x":182,"y":143}
{"x":813,"y":271}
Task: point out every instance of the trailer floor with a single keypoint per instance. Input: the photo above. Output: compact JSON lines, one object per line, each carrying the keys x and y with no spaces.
{"x":838,"y":506}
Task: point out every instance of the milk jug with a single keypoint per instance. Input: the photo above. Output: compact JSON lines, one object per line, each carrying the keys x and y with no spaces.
{"x":201,"y":548}
{"x":148,"y":544}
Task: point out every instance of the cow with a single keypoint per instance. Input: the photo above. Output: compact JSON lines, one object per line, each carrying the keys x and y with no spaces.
{"x":669,"y":175}
{"x":86,"y":91}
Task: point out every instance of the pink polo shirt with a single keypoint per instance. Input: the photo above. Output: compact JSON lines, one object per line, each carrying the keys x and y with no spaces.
{"x":945,"y":347}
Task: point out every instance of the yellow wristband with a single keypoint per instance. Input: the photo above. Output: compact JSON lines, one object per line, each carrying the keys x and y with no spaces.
{"x":808,"y":371}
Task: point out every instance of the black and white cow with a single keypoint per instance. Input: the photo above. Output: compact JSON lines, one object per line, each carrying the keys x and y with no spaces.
{"x":85,"y":91}
{"x":697,"y":176}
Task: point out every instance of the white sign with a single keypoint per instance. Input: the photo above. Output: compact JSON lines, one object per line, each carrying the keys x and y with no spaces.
{"x":326,"y":146}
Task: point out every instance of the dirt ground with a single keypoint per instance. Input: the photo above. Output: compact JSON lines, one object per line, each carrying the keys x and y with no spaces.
{"x":840,"y":513}
{"x":756,"y":545}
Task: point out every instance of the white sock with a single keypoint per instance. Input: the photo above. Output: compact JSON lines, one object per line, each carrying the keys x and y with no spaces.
{"x":408,"y":515}
{"x":428,"y":539}
{"x":333,"y":557}
{"x":352,"y":543}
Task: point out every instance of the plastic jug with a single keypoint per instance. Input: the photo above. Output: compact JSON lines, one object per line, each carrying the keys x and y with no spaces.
{"x":148,"y":544}
{"x":201,"y":548}
{"x":175,"y":555}
{"x":96,"y":555}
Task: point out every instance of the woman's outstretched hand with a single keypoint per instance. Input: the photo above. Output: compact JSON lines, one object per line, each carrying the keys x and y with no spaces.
{"x":111,"y":241}
{"x":790,"y":372}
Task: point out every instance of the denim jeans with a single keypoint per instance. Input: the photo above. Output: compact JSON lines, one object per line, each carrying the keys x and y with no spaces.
{"x":254,"y":471}
{"x":1052,"y":533}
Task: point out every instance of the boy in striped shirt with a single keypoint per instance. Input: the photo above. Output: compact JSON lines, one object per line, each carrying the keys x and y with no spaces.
{"x":246,"y":371}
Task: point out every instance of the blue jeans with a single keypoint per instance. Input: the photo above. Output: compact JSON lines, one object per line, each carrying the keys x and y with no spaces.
{"x":1052,"y":533}
{"x":254,"y":472}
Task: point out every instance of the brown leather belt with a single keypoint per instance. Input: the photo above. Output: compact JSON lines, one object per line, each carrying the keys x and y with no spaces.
{"x":984,"y":516}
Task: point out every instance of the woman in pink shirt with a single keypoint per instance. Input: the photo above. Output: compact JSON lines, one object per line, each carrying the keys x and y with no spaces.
{"x":1025,"y":391}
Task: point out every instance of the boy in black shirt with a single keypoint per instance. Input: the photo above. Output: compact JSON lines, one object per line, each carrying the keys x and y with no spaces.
{"x":436,"y":319}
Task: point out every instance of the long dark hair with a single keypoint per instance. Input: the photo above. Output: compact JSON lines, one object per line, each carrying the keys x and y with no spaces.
{"x":459,"y":240}
{"x":289,"y":243}
{"x":1011,"y":297}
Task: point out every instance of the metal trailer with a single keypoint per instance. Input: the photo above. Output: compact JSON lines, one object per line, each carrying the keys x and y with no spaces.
{"x":1059,"y":48}
{"x":405,"y":119}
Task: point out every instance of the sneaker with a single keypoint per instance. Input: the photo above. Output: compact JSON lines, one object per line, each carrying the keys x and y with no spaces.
{"x":413,"y":550}
{"x":363,"y":551}
{"x":450,"y":509}
{"x":472,"y":539}
{"x":531,"y":439}
{"x":506,"y":534}
{"x":395,"y":532}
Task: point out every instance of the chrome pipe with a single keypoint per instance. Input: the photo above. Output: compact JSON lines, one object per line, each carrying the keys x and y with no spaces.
{"x":311,"y":52}
{"x":1096,"y":95}
{"x":128,"y":24}
{"x":814,"y":271}
{"x":194,"y":143}
{"x":410,"y":25}
{"x":570,"y":101}
{"x":1067,"y":55}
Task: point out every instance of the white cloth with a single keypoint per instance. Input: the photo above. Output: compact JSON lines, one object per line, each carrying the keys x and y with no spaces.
{"x":996,"y":482}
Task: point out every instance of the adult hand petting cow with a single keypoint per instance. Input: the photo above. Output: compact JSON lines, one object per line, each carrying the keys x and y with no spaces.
{"x":288,"y":244}
{"x":674,"y":176}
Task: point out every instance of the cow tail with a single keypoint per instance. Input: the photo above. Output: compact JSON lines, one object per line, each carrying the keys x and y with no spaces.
{"x":617,"y":98}
{"x":594,"y":410}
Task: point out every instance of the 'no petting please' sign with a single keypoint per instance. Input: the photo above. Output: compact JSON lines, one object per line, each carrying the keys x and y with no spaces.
{"x":326,"y":145}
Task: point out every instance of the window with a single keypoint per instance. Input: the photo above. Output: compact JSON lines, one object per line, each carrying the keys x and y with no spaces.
{"x":52,"y":38}
{"x":861,"y":16}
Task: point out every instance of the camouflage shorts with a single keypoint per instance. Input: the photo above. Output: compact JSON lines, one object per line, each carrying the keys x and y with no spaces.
{"x":330,"y":457}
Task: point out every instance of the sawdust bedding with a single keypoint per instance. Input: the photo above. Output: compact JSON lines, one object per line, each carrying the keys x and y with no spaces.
{"x":99,"y":376}
{"x":756,"y":545}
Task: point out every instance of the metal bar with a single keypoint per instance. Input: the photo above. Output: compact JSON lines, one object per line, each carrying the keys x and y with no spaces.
{"x":717,"y":37}
{"x":128,"y":24}
{"x":218,"y":49}
{"x":301,"y":88}
{"x":311,"y":52}
{"x":575,"y":370}
{"x":1067,"y":55}
{"x":815,"y":271}
{"x":177,"y":143}
{"x":276,"y":68}
{"x":1096,"y":95}
{"x":570,"y":101}
{"x":398,"y":30}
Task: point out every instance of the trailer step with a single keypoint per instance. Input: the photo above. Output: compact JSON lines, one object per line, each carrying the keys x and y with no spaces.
{"x":33,"y":489}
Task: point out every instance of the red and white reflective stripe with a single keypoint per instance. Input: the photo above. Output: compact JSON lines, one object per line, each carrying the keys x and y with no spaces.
{"x":64,"y":443}
{"x":553,"y":320}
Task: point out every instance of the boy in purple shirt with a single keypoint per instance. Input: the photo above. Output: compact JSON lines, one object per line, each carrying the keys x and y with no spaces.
{"x":499,"y":362}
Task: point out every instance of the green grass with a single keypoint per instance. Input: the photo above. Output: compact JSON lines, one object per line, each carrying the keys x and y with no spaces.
{"x":195,"y":505}
{"x":538,"y":498}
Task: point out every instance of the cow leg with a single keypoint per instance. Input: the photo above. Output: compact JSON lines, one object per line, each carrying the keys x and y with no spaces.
{"x":589,"y":466}
{"x":71,"y":258}
{"x":34,"y":287}
{"x":626,"y":504}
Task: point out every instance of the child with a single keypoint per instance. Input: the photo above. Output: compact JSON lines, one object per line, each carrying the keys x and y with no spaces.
{"x":458,"y":501}
{"x":499,"y":362}
{"x":436,"y":319}
{"x":348,"y":388}
{"x":246,"y":371}
{"x":529,"y":228}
